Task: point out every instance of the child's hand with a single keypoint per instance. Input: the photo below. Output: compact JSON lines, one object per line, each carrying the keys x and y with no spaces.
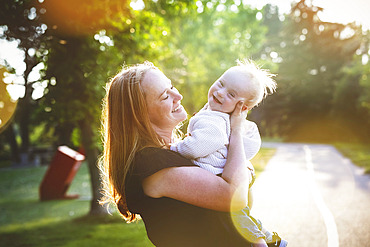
{"x":238,"y":116}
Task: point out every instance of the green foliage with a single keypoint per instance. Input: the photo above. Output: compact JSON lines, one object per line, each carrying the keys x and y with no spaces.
{"x":310,"y":73}
{"x":20,"y":22}
{"x":192,"y":47}
{"x":194,"y":42}
{"x":42,"y":136}
{"x":314,"y":72}
{"x":363,"y":101}
{"x":77,"y":91}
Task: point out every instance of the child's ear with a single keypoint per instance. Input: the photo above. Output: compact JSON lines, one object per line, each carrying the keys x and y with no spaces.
{"x":244,"y":108}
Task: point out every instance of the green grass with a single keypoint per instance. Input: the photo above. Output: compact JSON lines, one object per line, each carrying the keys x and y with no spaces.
{"x":261,"y":159}
{"x":26,"y":221}
{"x":359,"y":154}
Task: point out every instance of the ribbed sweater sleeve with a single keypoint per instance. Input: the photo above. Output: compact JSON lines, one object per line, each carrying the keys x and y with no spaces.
{"x":206,"y":135}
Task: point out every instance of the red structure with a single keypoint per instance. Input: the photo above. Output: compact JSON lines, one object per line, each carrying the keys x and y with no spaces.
{"x":60,"y":174}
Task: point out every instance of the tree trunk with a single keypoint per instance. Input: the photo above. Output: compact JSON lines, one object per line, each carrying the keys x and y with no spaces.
{"x":64,"y":133}
{"x":91,"y":154}
{"x":10,"y":136}
{"x":23,"y":113}
{"x":24,"y":110}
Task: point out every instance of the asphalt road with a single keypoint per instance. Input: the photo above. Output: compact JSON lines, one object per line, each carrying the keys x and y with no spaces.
{"x":313,"y":196}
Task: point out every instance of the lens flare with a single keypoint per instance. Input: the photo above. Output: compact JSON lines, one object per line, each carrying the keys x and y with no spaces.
{"x":71,"y":17}
{"x":7,"y":104}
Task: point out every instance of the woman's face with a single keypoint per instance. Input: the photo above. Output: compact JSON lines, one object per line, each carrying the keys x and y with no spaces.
{"x":163,"y":101}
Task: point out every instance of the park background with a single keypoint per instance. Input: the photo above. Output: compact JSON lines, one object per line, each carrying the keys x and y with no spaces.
{"x":70,"y":49}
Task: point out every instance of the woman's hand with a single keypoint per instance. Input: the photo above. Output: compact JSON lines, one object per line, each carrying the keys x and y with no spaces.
{"x":238,"y":117}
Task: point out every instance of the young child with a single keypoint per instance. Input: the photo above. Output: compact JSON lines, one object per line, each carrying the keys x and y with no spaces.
{"x":209,"y":130}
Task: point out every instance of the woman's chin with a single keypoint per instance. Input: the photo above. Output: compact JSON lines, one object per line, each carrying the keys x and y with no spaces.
{"x":180,"y":114}
{"x":183,"y":115}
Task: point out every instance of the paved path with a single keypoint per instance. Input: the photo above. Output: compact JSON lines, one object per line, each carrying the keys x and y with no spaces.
{"x":313,"y":196}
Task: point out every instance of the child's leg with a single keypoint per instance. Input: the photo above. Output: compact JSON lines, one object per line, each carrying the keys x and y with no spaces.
{"x":250,"y":191}
{"x":259,"y":224}
{"x":265,"y":236}
{"x":248,"y":226}
{"x":250,"y":198}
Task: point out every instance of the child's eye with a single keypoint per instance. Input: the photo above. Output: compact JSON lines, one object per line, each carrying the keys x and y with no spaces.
{"x":166,"y":97}
{"x":232,"y":95}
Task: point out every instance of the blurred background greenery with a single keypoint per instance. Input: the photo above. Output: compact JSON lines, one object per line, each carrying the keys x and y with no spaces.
{"x":70,"y":49}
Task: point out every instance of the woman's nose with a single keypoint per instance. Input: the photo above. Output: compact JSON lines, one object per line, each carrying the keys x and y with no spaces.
{"x":177,"y":96}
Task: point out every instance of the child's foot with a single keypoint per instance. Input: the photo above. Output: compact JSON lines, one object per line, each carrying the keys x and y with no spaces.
{"x":275,"y":241}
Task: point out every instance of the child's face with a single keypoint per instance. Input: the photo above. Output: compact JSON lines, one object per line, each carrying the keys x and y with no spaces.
{"x":228,"y":90}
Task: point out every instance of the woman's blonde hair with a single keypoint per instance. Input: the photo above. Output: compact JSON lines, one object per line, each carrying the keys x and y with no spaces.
{"x":126,"y":130}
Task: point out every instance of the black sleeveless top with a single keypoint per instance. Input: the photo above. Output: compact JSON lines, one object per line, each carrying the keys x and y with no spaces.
{"x":170,"y":222}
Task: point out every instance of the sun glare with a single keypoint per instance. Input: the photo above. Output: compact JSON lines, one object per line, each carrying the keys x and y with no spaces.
{"x":344,"y":11}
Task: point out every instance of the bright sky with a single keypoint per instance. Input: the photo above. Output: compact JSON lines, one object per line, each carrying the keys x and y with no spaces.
{"x":342,"y":11}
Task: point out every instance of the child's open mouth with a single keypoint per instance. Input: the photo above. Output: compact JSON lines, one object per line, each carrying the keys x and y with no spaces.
{"x":216,"y":100}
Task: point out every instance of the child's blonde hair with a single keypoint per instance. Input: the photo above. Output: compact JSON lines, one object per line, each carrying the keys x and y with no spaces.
{"x":260,"y":79}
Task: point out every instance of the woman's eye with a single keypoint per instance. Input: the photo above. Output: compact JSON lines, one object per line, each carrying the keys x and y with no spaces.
{"x":232,"y":95}
{"x":165,"y":97}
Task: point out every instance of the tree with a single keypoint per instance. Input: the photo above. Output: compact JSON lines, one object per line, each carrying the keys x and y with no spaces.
{"x":268,"y":113}
{"x":352,"y":95}
{"x":76,"y":77}
{"x":81,"y":59}
{"x":313,"y":52}
{"x":21,"y":22}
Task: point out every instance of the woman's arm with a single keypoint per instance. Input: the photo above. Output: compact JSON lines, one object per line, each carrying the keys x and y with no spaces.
{"x":201,"y":188}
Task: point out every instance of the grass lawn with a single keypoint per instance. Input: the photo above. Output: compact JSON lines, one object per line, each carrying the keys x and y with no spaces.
{"x":359,"y":154}
{"x":25,"y":221}
{"x":261,"y":159}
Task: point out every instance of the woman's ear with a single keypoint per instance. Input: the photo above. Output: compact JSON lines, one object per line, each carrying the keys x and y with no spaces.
{"x":245,"y":108}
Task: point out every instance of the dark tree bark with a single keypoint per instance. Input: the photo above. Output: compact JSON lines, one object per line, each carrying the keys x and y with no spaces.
{"x":14,"y":149}
{"x":91,"y":154}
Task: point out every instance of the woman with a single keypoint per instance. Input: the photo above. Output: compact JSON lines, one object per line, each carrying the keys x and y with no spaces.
{"x":180,"y":204}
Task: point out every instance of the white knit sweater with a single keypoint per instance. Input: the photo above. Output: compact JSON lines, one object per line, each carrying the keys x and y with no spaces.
{"x":207,"y":140}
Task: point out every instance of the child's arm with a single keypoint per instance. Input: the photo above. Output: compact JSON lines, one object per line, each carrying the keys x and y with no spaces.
{"x":207,"y":134}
